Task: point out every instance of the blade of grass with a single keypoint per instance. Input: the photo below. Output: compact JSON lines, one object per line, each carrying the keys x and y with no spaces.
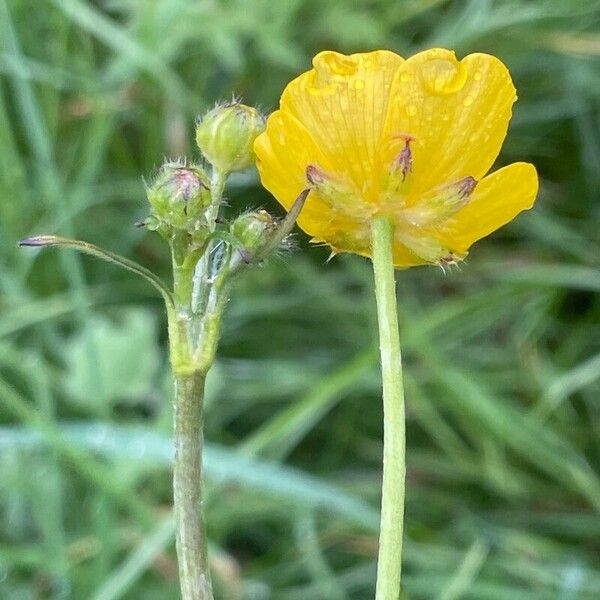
{"x":89,"y":468}
{"x":121,"y":581}
{"x":223,"y":466}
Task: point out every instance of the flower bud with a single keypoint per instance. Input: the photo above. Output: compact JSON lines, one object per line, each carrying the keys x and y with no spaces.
{"x":253,"y":230}
{"x":226,"y":135}
{"x":179,"y":195}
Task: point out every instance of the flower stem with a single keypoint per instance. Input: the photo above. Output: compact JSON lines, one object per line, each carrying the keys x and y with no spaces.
{"x":194,"y":574}
{"x":193,"y":333}
{"x":389,"y":563}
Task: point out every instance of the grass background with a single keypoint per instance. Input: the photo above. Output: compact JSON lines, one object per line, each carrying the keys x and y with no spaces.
{"x":502,"y":358}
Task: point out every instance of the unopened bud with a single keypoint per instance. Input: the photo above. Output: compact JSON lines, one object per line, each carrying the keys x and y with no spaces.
{"x":179,"y":194}
{"x":253,"y":230}
{"x":226,"y":134}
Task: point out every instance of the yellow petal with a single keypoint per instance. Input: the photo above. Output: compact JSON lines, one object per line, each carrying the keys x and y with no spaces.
{"x":457,"y":111}
{"x":496,"y":200}
{"x":343,"y":102}
{"x":283,"y":153}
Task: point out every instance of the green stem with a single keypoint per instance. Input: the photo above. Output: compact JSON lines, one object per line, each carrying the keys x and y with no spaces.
{"x":193,"y":347}
{"x":201,"y":282}
{"x":194,"y":573}
{"x":389,"y":563}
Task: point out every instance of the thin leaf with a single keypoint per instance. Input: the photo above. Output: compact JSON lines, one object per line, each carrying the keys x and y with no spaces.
{"x":36,"y":241}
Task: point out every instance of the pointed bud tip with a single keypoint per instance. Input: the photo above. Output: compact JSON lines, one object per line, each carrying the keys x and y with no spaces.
{"x":302,"y":195}
{"x":36,"y":241}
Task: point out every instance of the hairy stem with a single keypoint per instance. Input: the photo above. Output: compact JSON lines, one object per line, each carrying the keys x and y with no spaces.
{"x":194,"y":573}
{"x":192,"y":352}
{"x":394,"y":444}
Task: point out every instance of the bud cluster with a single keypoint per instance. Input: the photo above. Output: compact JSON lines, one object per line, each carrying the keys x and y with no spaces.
{"x":185,"y":198}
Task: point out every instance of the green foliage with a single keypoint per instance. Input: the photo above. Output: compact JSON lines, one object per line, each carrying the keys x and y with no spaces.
{"x":502,"y":358}
{"x":111,"y":362}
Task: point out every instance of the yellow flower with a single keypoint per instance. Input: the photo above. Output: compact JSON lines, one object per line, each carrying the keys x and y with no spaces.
{"x":372,"y":134}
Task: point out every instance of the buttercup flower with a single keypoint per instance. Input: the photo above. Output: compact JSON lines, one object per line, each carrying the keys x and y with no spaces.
{"x":373,"y":134}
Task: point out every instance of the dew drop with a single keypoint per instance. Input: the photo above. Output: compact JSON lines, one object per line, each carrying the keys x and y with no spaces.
{"x":468,"y":101}
{"x":323,"y":90}
{"x":441,"y":76}
{"x":338,"y":64}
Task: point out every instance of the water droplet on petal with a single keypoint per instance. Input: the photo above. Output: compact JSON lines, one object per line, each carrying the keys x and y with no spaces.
{"x":442,"y":76}
{"x":468,"y":101}
{"x":327,"y":63}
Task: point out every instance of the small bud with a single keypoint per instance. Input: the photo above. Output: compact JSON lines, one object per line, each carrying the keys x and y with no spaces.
{"x":253,"y":230}
{"x":179,"y":195}
{"x":226,"y":134}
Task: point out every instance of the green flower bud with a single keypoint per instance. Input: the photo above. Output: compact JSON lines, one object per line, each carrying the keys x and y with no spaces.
{"x":179,"y":195}
{"x":253,"y":230}
{"x":226,"y":135}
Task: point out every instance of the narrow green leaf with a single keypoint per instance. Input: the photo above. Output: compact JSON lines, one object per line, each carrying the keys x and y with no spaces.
{"x":36,"y":241}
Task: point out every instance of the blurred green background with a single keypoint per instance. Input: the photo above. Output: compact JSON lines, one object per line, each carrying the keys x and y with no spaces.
{"x":502,"y":357}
